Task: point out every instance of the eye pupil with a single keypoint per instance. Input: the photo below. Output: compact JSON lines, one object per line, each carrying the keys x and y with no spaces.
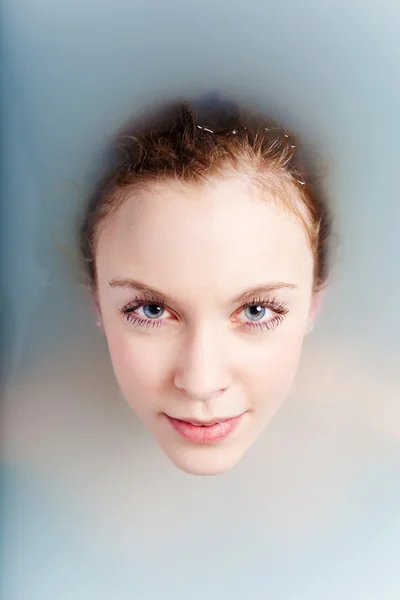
{"x":152,"y":311}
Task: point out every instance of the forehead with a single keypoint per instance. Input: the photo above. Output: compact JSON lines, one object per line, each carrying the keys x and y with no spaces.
{"x":215,"y":234}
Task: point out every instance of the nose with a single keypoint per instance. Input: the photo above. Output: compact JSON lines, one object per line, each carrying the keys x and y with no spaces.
{"x":202,"y":373}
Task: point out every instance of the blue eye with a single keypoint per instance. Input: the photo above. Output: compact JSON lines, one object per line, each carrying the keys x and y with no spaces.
{"x":152,"y":311}
{"x":254,"y":314}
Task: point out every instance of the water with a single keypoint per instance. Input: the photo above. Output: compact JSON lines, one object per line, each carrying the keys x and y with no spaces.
{"x":90,"y":506}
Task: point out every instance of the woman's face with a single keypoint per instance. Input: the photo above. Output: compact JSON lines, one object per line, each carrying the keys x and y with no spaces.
{"x":205,"y":294}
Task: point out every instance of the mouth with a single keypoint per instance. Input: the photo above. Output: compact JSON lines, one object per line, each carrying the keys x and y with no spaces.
{"x":205,"y":432}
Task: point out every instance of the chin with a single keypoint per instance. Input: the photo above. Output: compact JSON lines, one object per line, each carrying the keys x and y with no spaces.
{"x":205,"y":461}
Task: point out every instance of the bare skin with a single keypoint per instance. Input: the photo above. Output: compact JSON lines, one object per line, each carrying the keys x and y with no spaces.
{"x":194,"y":352}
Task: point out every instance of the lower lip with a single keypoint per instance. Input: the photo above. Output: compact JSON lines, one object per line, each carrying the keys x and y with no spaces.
{"x":205,"y":434}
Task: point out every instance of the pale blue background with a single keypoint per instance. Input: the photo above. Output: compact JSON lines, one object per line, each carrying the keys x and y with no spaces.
{"x":71,"y":72}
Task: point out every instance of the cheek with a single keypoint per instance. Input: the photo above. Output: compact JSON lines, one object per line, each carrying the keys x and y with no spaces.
{"x":271,"y":374}
{"x":140,"y":365}
{"x":143,"y":367}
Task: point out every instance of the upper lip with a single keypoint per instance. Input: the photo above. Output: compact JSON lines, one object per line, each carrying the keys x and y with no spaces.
{"x":210,"y":422}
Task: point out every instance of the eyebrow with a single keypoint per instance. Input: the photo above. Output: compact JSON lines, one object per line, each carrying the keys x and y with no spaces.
{"x":248,"y":294}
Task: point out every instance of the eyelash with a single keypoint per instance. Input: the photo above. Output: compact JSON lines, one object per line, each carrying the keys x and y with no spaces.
{"x":279,"y":308}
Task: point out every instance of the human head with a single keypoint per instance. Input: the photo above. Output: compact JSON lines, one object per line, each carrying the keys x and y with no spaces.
{"x":198,"y":204}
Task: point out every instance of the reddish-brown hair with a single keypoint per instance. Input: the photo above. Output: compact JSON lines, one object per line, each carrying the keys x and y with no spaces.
{"x":195,"y":142}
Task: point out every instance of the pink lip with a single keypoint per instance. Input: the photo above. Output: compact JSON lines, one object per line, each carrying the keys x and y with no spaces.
{"x":205,"y":433}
